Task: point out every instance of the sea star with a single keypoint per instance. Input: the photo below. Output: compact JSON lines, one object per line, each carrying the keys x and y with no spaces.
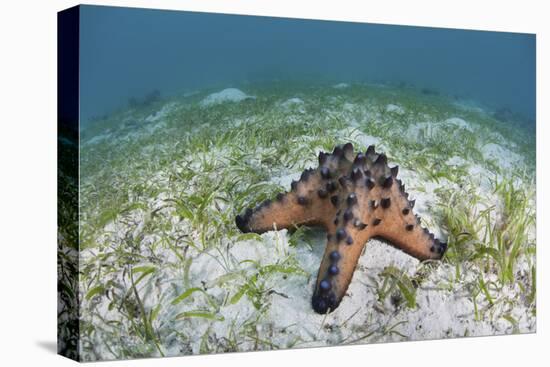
{"x":354,"y":198}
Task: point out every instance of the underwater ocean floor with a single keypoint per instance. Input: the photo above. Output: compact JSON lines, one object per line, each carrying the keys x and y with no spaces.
{"x":164,"y":270}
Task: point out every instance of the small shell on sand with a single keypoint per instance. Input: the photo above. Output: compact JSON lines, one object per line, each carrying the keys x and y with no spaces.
{"x":226,"y":95}
{"x":340,"y":86}
{"x":392,"y":108}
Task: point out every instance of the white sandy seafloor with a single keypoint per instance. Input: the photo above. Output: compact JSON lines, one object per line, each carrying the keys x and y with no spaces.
{"x":220,"y":320}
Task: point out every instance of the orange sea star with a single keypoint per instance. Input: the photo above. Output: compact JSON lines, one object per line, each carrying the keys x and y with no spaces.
{"x":354,"y":197}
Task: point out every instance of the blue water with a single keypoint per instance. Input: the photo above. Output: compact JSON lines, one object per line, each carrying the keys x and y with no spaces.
{"x":129,"y":52}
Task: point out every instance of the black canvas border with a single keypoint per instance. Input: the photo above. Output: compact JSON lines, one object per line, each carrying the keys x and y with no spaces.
{"x":68,"y":299}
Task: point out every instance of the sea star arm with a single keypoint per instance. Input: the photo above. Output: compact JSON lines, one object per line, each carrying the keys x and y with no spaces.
{"x":400,"y":226}
{"x":300,"y":206}
{"x":342,"y":252}
{"x":313,"y":200}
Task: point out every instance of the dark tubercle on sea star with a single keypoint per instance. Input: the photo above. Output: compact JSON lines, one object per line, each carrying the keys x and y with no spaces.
{"x":355,"y":198}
